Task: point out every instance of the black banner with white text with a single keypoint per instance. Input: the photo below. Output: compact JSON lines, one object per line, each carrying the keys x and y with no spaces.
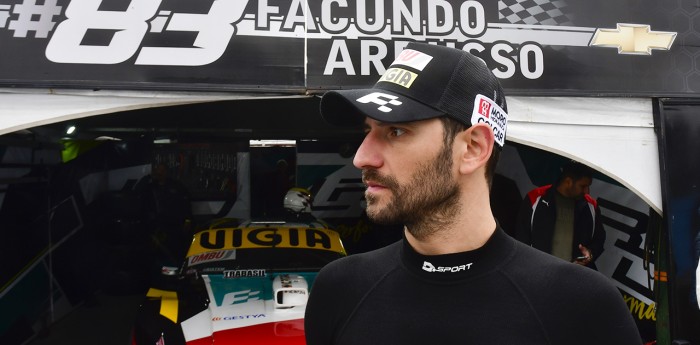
{"x":639,"y":47}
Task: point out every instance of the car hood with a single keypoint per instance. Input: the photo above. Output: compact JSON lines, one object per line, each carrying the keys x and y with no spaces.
{"x":251,"y":310}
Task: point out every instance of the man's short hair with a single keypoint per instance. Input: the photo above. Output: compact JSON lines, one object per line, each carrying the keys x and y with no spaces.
{"x":575,"y":171}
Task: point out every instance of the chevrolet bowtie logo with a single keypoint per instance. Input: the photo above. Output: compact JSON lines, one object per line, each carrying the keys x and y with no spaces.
{"x":633,"y":39}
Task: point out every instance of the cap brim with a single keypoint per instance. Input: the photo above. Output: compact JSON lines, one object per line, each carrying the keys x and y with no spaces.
{"x":350,"y":107}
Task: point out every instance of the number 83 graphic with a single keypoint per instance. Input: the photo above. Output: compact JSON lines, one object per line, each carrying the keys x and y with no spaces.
{"x":214,"y":31}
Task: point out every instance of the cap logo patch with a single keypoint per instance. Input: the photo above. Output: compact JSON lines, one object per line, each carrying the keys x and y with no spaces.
{"x":381,"y":99}
{"x":485,"y":110}
{"x":413,"y":58}
{"x":399,"y":76}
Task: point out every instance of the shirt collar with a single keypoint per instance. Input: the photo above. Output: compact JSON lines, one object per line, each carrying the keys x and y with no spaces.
{"x":458,"y":266}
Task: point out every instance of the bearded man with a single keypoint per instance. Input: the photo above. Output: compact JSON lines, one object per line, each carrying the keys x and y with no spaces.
{"x":563,"y":219}
{"x":434,"y":124}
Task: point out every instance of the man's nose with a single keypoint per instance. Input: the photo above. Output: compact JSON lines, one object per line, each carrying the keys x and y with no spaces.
{"x":367,"y":155}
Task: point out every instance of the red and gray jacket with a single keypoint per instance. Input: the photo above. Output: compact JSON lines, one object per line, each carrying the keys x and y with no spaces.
{"x":537,"y":216}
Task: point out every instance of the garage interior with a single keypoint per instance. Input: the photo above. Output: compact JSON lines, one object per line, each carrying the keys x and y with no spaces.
{"x":100,"y":308}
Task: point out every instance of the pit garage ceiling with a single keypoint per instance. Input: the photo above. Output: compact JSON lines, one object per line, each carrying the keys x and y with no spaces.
{"x":613,"y":135}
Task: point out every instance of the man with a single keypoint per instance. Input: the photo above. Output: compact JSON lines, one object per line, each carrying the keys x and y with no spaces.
{"x":455,"y":278}
{"x":168,"y":213}
{"x":564,"y":220}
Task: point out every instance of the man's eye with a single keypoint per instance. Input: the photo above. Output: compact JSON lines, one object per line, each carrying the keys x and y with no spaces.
{"x":396,"y":132}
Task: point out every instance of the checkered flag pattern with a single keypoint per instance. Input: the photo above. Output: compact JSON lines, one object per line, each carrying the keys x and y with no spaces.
{"x":530,"y":12}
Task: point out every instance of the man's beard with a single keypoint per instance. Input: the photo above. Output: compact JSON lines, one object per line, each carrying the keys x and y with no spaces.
{"x":428,"y":203}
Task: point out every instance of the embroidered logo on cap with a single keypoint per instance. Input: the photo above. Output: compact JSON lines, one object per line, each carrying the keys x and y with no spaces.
{"x":413,"y":58}
{"x":485,"y":110}
{"x":399,"y":76}
{"x":381,"y":99}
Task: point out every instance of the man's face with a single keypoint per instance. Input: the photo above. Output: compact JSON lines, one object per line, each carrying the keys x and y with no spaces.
{"x":408,"y":172}
{"x":578,"y":188}
{"x":160,"y":173}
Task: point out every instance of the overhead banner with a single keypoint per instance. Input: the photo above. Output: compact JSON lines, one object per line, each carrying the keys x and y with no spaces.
{"x":534,"y":46}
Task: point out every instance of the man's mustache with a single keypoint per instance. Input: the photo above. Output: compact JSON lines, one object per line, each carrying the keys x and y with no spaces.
{"x":376,"y":177}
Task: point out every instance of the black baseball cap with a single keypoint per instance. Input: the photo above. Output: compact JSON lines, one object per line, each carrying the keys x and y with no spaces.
{"x":425,"y":81}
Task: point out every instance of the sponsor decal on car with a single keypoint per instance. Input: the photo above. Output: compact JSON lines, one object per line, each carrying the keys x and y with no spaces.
{"x":282,"y":237}
{"x":238,"y":317}
{"x":244,"y":273}
{"x":213,"y":269}
{"x":212,"y":256}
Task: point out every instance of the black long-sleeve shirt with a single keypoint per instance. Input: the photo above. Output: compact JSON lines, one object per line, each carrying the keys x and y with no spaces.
{"x":502,"y":293}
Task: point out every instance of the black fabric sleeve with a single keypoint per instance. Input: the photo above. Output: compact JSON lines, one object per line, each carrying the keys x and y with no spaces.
{"x":523,"y":230}
{"x":598,"y":240}
{"x":608,"y":316}
{"x":339,"y":287}
{"x":321,"y":319}
{"x":576,"y":305}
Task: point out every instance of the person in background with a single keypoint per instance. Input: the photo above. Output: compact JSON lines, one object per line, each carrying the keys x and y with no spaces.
{"x":295,"y":211}
{"x":168,"y":214}
{"x":562,"y":219}
{"x":297,"y":205}
{"x":434,"y":127}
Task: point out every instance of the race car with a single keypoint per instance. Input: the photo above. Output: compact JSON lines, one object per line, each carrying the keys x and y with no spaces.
{"x":238,"y":285}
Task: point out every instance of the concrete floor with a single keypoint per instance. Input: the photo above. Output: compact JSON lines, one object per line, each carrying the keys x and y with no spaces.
{"x":106,"y":320}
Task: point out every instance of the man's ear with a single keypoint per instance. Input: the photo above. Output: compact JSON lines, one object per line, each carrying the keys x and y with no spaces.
{"x":477,"y":144}
{"x":567,"y":182}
